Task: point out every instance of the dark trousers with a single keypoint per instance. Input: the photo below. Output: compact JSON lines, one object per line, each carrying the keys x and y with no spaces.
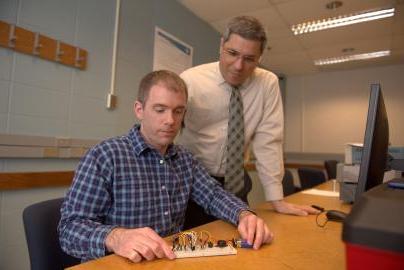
{"x":196,"y":216}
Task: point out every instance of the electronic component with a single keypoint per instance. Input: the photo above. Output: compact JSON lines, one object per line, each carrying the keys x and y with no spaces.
{"x":199,"y":252}
{"x":396,"y":183}
{"x":193,"y":244}
{"x":221,"y":243}
{"x":241,"y":243}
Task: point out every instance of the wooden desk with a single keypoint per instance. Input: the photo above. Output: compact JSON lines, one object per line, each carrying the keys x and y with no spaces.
{"x":299,"y":244}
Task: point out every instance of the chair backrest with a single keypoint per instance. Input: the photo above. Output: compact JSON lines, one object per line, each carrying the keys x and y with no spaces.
{"x":310,"y":177}
{"x":40,"y":224}
{"x":331,"y":168}
{"x":287,"y":183}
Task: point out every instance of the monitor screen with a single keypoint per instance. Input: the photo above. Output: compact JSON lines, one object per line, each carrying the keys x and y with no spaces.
{"x":375,"y":145}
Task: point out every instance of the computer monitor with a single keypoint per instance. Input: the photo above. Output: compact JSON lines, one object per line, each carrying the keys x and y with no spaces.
{"x":375,"y":145}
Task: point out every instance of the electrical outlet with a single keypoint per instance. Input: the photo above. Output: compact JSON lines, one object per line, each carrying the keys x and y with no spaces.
{"x":111,"y":101}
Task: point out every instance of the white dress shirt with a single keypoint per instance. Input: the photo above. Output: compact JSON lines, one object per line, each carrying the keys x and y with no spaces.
{"x":206,"y":119}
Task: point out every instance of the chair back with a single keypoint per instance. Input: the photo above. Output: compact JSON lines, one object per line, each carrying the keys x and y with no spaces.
{"x":243,"y":193}
{"x":287,"y":183}
{"x":331,"y":168}
{"x":310,"y":177}
{"x":40,"y":224}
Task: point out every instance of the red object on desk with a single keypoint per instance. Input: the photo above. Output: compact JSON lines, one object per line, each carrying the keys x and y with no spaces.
{"x":373,"y":231}
{"x":361,"y":257}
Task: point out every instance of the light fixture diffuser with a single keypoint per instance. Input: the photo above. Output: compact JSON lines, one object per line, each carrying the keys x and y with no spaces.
{"x":342,"y":20}
{"x":353,"y":57}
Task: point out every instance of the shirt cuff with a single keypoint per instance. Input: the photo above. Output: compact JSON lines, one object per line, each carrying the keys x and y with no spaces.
{"x":97,"y":241}
{"x":273,"y":192}
{"x":242,"y":210}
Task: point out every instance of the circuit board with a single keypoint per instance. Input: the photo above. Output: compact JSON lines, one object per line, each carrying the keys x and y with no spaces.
{"x":207,"y":251}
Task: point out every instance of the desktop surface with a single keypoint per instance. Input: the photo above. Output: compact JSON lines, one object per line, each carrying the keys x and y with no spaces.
{"x":298,"y":244}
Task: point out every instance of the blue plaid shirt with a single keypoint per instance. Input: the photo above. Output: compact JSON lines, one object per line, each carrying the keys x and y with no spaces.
{"x":125,"y":182}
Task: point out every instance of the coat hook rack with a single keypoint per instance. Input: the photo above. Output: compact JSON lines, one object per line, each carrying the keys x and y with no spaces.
{"x":36,"y":44}
{"x":11,"y":36}
{"x":59,"y":52}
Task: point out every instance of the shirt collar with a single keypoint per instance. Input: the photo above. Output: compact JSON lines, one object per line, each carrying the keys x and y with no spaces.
{"x":222,"y":83}
{"x":141,"y":146}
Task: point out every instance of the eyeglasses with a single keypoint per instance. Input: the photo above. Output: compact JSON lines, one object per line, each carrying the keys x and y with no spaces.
{"x":235,"y":55}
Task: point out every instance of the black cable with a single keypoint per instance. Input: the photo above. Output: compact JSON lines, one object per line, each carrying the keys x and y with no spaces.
{"x":318,"y":223}
{"x":336,"y":215}
{"x":318,"y":207}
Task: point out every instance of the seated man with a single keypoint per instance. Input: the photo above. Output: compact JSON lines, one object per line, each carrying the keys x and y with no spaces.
{"x":130,"y":191}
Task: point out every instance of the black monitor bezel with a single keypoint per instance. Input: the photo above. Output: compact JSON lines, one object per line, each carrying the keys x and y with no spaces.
{"x":375,"y":146}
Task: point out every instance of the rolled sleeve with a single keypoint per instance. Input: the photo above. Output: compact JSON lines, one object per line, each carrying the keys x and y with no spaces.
{"x":268,"y":142}
{"x":97,"y":241}
{"x":81,"y":230}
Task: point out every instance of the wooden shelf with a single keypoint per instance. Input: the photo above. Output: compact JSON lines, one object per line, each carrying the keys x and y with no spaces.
{"x":27,"y":180}
{"x":26,"y":146}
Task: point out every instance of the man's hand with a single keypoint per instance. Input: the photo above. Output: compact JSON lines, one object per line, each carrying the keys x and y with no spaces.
{"x":136,"y":244}
{"x":293,"y":209}
{"x":253,"y":229}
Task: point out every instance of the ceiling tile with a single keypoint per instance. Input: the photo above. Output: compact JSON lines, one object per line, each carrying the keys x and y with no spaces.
{"x":381,"y":61}
{"x":290,"y":62}
{"x":273,"y":23}
{"x":283,"y":45}
{"x":316,"y":9}
{"x":398,"y":42}
{"x":398,"y":26}
{"x":214,"y":10}
{"x":359,"y":47}
{"x":356,"y":32}
{"x":293,"y":55}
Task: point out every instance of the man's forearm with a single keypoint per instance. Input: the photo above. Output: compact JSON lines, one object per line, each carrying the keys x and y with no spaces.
{"x":84,"y":239}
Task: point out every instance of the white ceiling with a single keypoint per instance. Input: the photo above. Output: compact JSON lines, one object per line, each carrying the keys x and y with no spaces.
{"x":294,"y":55}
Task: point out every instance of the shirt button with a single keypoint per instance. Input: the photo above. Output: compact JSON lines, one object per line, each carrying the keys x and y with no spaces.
{"x":166,"y":213}
{"x":163,"y":187}
{"x":161,"y":161}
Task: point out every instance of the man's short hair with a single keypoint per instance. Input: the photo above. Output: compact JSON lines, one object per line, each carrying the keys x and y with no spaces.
{"x":247,"y":27}
{"x":169,"y":79}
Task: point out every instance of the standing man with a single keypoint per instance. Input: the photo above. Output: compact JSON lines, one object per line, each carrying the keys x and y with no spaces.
{"x":130,"y":191}
{"x":233,"y":105}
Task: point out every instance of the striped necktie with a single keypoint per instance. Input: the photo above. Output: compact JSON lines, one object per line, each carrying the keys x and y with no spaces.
{"x":234,"y":175}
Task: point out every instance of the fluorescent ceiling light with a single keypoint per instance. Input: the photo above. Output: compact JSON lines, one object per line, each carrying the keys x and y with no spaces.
{"x":346,"y":58}
{"x":341,"y":21}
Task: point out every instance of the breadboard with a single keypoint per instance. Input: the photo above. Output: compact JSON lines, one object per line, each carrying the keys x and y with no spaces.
{"x":213,"y":251}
